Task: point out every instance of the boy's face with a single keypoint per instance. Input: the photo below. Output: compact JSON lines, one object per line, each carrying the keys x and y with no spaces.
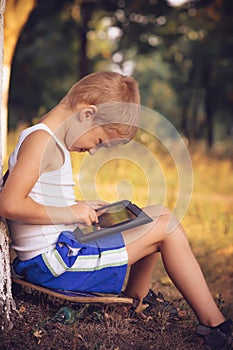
{"x":96,"y":138}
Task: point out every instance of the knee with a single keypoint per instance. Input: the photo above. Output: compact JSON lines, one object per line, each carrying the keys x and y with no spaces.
{"x":155,"y":211}
{"x":163,"y":215}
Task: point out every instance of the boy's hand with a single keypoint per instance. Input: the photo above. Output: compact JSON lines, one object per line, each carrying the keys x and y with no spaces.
{"x":84,"y":213}
{"x":96,"y":204}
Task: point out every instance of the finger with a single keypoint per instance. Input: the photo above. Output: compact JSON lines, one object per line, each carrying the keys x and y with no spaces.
{"x":101,"y":203}
{"x":96,"y":204}
{"x":88,"y":220}
{"x":94,"y":216}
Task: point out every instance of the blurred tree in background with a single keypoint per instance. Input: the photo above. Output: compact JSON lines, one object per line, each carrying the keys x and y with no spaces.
{"x":15,"y":14}
{"x":181,"y":56}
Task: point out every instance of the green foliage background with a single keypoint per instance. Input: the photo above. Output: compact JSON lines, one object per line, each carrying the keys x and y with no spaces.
{"x":182,"y":58}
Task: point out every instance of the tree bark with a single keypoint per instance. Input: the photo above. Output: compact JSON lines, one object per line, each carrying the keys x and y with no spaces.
{"x":7,"y":304}
{"x":2,"y":9}
{"x":15,"y":16}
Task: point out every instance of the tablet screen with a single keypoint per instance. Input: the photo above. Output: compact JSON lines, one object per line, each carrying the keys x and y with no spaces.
{"x":110,"y":217}
{"x":113,"y":218}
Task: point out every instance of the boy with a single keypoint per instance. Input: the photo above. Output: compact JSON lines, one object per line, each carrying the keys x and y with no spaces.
{"x":101,"y":110}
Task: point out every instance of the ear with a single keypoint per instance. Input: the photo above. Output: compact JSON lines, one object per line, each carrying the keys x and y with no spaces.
{"x":88,"y":113}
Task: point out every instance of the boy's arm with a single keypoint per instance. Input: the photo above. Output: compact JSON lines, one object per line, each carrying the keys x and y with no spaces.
{"x":15,"y":204}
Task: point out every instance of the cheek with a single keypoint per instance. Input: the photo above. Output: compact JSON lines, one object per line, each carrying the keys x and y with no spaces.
{"x":81,"y":141}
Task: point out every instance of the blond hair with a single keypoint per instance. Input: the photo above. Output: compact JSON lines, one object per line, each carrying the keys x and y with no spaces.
{"x":117,"y":97}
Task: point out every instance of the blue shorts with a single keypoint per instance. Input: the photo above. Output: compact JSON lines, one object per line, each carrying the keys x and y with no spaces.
{"x":98,"y":266}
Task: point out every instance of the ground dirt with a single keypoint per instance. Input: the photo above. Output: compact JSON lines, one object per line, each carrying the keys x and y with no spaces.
{"x":41,"y":323}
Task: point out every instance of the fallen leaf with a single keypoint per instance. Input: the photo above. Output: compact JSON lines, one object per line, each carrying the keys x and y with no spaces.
{"x":22,"y":309}
{"x":38,"y":334}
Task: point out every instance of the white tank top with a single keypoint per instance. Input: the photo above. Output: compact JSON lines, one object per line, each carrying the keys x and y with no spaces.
{"x":53,"y":188}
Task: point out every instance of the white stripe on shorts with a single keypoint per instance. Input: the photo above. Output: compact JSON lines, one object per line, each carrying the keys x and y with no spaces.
{"x":109,"y":258}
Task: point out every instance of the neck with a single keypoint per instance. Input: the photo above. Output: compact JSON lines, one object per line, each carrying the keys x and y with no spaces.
{"x":65,"y":124}
{"x":57,"y":119}
{"x":56,"y":116}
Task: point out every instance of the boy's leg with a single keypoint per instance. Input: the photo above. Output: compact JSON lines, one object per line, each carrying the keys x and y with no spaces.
{"x":139,"y":279}
{"x":179,"y":263}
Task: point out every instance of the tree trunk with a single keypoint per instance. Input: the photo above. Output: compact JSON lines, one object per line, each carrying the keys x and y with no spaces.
{"x":2,"y":9}
{"x":15,"y":17}
{"x":7,"y":304}
{"x":185,"y":101}
{"x":209,"y":114}
{"x":15,"y":14}
{"x":209,"y":118}
{"x":86,"y":12}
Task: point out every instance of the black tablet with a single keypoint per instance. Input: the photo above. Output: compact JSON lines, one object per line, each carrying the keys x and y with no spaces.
{"x":115,"y":217}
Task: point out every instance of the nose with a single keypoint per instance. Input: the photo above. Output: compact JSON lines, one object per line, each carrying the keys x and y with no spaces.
{"x":92,"y":151}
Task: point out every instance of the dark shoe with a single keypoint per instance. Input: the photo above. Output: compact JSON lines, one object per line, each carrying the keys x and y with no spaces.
{"x":217,"y":338}
{"x":157,"y":303}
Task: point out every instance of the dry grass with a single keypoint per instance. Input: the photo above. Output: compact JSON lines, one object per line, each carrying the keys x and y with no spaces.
{"x":94,"y":328}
